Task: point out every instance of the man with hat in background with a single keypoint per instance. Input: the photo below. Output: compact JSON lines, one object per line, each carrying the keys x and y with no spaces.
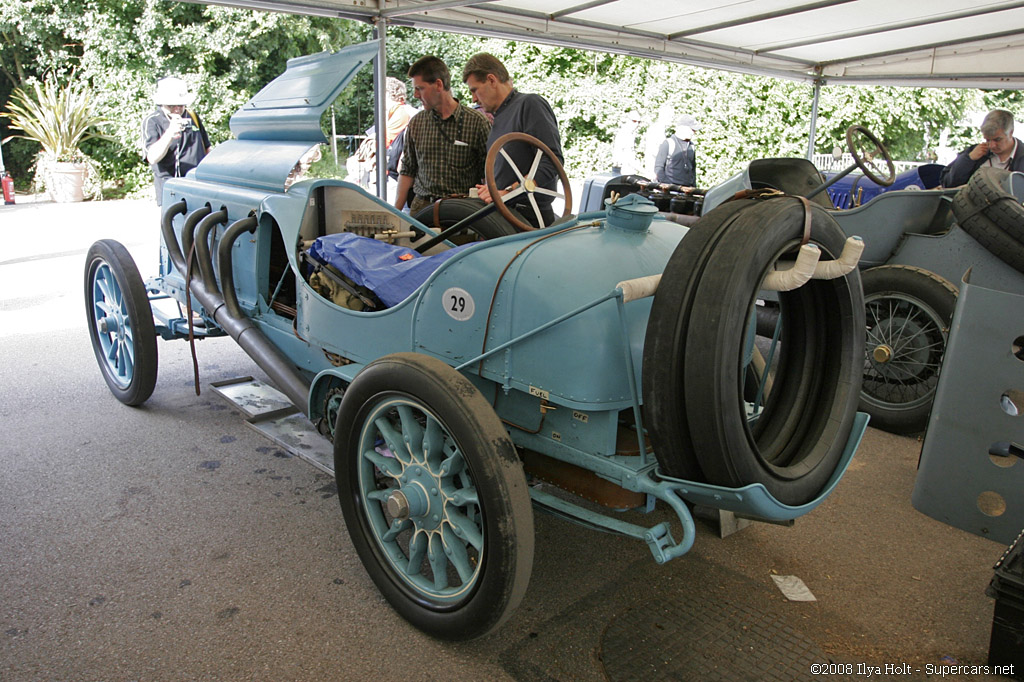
{"x":173,"y":137}
{"x":676,"y":162}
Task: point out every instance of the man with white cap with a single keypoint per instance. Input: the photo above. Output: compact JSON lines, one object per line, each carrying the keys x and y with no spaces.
{"x":624,"y":159}
{"x":173,"y":137}
{"x":676,"y":162}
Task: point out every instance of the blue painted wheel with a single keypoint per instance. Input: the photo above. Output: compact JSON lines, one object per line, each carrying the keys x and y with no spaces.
{"x":120,"y":322}
{"x":434,"y":496}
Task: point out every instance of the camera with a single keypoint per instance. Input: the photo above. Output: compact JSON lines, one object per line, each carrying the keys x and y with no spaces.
{"x":184,"y":123}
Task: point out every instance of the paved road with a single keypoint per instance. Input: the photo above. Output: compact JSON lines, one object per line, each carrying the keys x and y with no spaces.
{"x":172,"y":542}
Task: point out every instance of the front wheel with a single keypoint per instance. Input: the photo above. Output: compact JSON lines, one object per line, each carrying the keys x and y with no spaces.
{"x":434,"y":496}
{"x":120,"y":322}
{"x":908,"y":313}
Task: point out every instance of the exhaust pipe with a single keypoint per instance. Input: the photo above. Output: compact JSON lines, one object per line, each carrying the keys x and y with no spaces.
{"x":188,"y":231}
{"x":230,"y":317}
{"x":227,"y":271}
{"x":202,"y":236}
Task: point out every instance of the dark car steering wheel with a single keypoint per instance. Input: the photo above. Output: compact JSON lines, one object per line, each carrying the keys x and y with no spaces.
{"x":527,"y":183}
{"x":868,"y":152}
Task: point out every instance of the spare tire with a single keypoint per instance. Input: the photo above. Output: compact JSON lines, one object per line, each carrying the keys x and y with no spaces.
{"x":699,"y":341}
{"x":451,"y":211}
{"x":987,"y":211}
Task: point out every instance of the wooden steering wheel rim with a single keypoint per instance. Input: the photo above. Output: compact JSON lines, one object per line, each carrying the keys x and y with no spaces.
{"x":492,"y":185}
{"x":884,"y":182}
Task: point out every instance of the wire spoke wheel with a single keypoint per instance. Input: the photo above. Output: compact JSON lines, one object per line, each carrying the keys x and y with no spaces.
{"x":907,"y":316}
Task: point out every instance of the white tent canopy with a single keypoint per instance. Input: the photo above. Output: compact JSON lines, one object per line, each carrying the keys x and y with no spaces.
{"x":954,"y":43}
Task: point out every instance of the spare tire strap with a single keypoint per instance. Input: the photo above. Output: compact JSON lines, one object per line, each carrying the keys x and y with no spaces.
{"x":984,"y":206}
{"x":807,"y":220}
{"x":437,"y":215}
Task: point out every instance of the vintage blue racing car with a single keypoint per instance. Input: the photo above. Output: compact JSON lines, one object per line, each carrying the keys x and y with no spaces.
{"x":593,"y":368}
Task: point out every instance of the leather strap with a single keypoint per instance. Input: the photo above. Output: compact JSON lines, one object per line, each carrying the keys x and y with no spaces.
{"x":807,"y":220}
{"x":762,"y":193}
{"x":188,"y":312}
{"x":985,"y":205}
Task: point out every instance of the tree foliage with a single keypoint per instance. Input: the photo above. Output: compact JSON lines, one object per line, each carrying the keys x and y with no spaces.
{"x":120,"y":48}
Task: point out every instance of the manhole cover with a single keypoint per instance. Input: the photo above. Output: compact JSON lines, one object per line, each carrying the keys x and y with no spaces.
{"x":692,"y":640}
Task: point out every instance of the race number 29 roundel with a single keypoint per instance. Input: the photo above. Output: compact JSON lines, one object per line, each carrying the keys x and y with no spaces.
{"x":458,"y":303}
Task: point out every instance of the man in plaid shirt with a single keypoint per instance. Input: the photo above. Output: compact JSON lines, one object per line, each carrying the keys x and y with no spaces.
{"x":445,"y":144}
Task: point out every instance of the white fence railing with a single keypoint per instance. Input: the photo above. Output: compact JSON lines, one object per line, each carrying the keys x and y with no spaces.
{"x":829,"y":164}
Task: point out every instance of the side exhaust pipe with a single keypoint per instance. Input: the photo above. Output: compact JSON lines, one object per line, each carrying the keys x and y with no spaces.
{"x":203,"y":247}
{"x":229,"y":317}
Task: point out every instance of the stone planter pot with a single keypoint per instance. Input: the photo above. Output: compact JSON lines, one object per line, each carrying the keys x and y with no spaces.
{"x":66,"y":181}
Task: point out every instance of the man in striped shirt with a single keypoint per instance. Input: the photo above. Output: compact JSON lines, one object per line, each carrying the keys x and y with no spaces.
{"x":445,"y":144}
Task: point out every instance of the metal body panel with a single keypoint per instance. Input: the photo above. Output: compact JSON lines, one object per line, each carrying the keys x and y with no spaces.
{"x":568,"y":269}
{"x":723,"y":191}
{"x":230,"y":162}
{"x":958,"y":481}
{"x":952,"y":254}
{"x":882,"y":222}
{"x":282,"y":121}
{"x":289,"y":107}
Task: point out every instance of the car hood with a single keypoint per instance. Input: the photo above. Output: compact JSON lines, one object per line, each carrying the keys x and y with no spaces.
{"x":277,"y":126}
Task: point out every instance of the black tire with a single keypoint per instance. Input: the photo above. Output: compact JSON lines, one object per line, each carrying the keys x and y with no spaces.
{"x":480,"y":490}
{"x":993,"y":216}
{"x":908,"y":315}
{"x":667,"y":326}
{"x":794,"y":445}
{"x":120,"y":322}
{"x":452,"y":211}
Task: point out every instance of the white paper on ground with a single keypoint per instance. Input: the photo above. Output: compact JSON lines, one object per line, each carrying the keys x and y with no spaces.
{"x":793,"y":588}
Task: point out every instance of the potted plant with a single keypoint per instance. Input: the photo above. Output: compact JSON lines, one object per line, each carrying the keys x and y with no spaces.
{"x":59,"y":118}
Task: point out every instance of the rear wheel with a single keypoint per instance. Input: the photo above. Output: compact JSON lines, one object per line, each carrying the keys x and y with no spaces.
{"x":434,"y":496}
{"x":908,"y":314}
{"x":120,"y":322}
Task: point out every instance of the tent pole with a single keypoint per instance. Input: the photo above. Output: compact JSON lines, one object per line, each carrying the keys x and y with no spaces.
{"x":380,"y":31}
{"x":814,"y":117}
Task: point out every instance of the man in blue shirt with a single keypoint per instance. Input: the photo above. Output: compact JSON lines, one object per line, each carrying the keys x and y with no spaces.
{"x":518,"y":112}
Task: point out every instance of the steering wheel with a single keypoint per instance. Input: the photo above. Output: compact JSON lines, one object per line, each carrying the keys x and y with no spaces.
{"x":527,"y":184}
{"x":868,"y":152}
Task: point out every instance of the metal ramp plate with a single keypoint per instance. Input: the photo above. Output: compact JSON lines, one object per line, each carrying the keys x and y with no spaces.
{"x":269,"y":412}
{"x":299,"y":437}
{"x":252,"y":397}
